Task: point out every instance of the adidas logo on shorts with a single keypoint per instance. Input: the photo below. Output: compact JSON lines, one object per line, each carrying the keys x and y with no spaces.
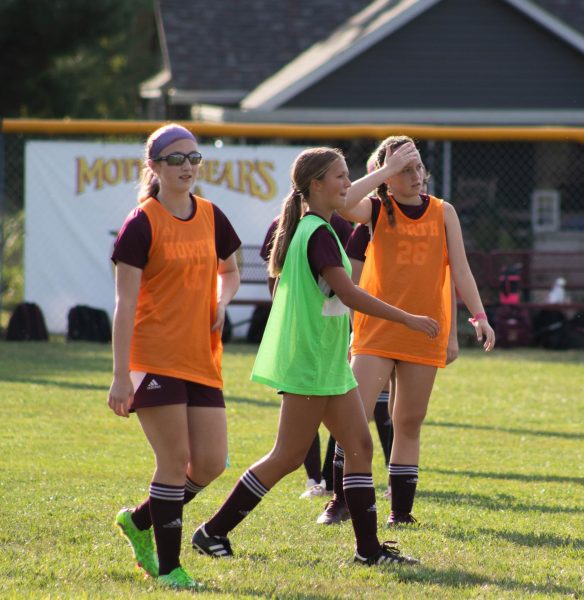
{"x":153,"y":385}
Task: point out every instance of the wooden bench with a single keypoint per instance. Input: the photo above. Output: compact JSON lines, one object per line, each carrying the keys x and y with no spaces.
{"x":253,"y":271}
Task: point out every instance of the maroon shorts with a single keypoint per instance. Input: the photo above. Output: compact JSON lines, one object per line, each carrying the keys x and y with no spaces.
{"x":160,"y":390}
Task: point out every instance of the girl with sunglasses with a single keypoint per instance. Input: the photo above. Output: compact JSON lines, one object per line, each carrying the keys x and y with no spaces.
{"x":175,"y":274}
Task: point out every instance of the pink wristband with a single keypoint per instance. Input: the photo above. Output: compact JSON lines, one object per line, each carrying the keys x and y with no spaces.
{"x":478,"y":317}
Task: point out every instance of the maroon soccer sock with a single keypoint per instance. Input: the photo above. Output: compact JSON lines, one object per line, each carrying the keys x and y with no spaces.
{"x":403,"y":480}
{"x":338,"y":469}
{"x":383,"y":424}
{"x":166,"y":507}
{"x":245,"y":496}
{"x":192,"y":489}
{"x":360,"y":497}
{"x":141,"y":514}
{"x":327,"y":465}
{"x":312,"y":460}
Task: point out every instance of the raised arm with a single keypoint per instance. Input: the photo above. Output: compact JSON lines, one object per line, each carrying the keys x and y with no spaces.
{"x":463,"y":278}
{"x":357,"y":206}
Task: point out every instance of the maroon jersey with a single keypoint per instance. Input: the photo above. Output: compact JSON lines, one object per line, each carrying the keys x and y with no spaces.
{"x":323,"y":250}
{"x":412,"y":212}
{"x":357,"y":244}
{"x":342,"y":228}
{"x":135,"y":238}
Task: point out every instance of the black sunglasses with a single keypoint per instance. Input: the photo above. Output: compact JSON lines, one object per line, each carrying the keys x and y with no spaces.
{"x":176,"y":159}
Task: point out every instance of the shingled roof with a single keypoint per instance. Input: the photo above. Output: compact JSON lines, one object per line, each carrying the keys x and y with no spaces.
{"x":381,"y":20}
{"x":230,"y":47}
{"x":569,"y":11}
{"x":228,"y":51}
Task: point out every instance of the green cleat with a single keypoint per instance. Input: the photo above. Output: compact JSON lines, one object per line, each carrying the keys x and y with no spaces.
{"x":179,"y":579}
{"x":141,"y":542}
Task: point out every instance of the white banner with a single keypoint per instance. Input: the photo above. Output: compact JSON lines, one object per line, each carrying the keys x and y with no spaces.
{"x":77,"y":196}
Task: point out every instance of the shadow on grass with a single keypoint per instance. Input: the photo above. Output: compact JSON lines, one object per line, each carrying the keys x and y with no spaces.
{"x":69,"y":385}
{"x":537,"y":432}
{"x":453,"y":578}
{"x":510,"y":476}
{"x":495,"y":502}
{"x":101,"y":388}
{"x":277,"y":592}
{"x":458,"y":578}
{"x":531,"y":540}
{"x":44,"y":358}
{"x":252,"y":401}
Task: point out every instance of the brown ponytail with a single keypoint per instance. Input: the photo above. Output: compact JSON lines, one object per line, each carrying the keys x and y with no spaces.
{"x":290,"y":216}
{"x":149,"y":185}
{"x":309,"y":165}
{"x":383,"y":194}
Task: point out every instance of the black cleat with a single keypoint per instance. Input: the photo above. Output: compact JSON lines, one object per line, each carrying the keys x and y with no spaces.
{"x":211,"y":545}
{"x":395,"y":519}
{"x":388,"y":554}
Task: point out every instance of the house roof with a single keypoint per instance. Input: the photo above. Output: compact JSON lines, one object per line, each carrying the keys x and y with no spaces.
{"x":570,"y":12}
{"x":271,"y":58}
{"x":379,"y":20}
{"x":220,"y":51}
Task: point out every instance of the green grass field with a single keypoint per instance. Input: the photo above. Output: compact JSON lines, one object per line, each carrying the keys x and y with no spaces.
{"x":500,"y":497}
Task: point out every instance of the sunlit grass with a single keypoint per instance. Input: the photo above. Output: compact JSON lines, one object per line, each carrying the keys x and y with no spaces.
{"x":500,"y":493}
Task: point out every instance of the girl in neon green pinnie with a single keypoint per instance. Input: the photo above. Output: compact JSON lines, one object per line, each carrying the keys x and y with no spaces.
{"x":304,"y":353}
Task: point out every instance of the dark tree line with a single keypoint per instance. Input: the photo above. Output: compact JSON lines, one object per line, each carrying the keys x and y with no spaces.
{"x":76,"y":58}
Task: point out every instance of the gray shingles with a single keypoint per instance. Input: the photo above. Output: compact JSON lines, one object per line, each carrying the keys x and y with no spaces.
{"x":569,"y":11}
{"x":236,"y":44}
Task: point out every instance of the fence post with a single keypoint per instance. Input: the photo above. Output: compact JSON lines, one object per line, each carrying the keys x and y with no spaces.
{"x":431,"y":166}
{"x":2,"y":215}
{"x":447,"y":170}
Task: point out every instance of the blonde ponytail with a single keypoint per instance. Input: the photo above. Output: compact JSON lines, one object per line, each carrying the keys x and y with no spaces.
{"x":292,"y":211}
{"x":310,"y":164}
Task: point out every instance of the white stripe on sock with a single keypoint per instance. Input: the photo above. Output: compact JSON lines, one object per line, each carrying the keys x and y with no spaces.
{"x":191,"y":486}
{"x":253,"y":484}
{"x":357,"y":481}
{"x":166,"y":493}
{"x":403,"y":470}
{"x":383,"y":397}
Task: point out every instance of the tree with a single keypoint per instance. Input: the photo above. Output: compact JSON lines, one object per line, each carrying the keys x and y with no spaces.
{"x":76,"y":58}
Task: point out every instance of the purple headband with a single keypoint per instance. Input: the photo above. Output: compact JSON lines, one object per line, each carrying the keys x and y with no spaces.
{"x":170,"y":135}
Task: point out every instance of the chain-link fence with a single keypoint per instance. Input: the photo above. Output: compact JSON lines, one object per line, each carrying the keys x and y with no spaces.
{"x":519,"y":202}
